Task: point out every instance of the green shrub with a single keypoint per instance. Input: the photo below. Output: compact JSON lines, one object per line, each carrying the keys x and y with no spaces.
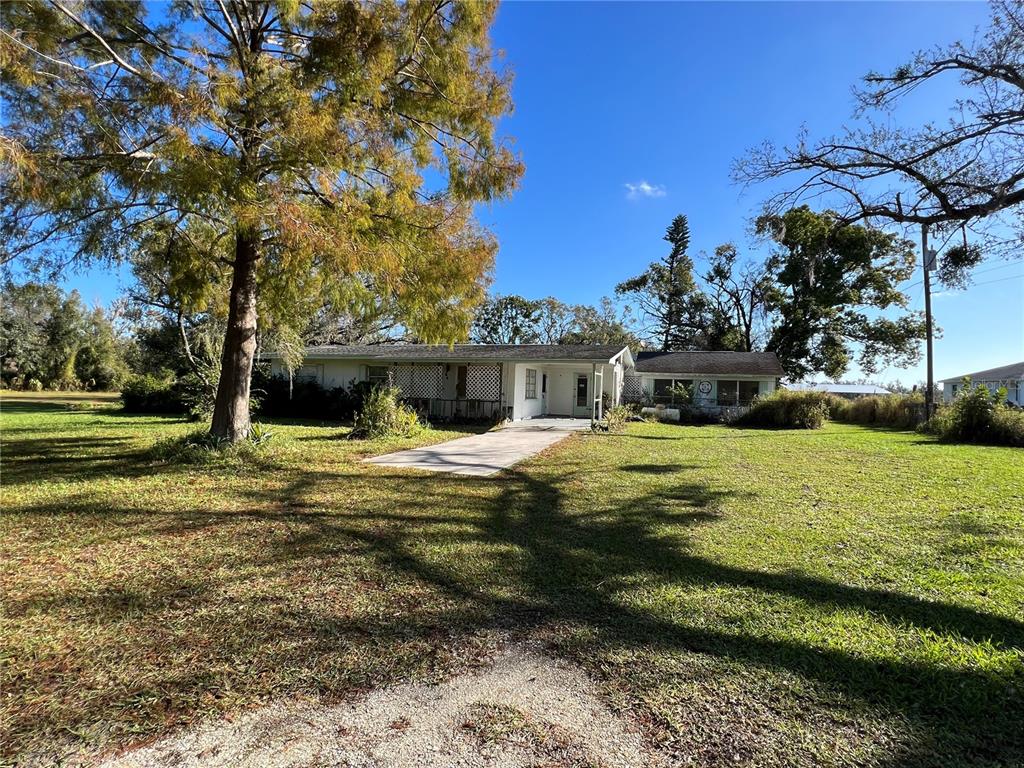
{"x":306,"y":399}
{"x":786,"y":409}
{"x":977,"y":415}
{"x":34,"y":385}
{"x":151,"y":394}
{"x":196,"y":396}
{"x":384,"y":415}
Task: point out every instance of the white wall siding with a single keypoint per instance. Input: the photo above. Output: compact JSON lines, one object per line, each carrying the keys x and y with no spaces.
{"x":1014,"y":389}
{"x":523,"y":408}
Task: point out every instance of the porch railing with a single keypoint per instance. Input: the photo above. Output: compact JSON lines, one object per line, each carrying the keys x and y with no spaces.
{"x":458,"y":409}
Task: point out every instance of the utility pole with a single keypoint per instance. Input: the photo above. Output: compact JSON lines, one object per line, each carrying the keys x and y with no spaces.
{"x":928,"y":261}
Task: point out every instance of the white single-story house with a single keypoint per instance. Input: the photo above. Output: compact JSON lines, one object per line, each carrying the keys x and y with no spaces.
{"x":849,"y":391}
{"x":523,"y":381}
{"x":479,"y":381}
{"x":1009,"y":376}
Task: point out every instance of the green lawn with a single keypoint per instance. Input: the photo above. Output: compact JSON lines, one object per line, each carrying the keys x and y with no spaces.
{"x":840,"y":597}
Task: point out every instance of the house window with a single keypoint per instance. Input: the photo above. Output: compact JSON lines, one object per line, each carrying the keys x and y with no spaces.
{"x":662,"y":390}
{"x":748,"y":391}
{"x":531,"y":384}
{"x":728,"y":392}
{"x":667,"y":390}
{"x":377,"y":374}
{"x":307,"y":373}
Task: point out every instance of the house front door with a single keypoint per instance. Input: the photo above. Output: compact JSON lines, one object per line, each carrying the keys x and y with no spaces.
{"x":581,"y":396}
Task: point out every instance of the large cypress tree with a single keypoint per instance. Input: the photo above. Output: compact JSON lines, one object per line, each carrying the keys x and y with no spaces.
{"x":290,"y":152}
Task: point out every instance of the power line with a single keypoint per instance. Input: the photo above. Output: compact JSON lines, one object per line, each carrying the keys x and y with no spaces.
{"x":1001,"y":280}
{"x":1013,"y":263}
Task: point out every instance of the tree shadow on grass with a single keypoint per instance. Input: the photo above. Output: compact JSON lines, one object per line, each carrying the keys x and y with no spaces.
{"x":348,"y":580}
{"x":570,"y":566}
{"x":565,"y":567}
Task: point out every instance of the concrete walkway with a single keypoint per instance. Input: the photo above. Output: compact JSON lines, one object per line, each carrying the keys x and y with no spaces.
{"x":486,"y":454}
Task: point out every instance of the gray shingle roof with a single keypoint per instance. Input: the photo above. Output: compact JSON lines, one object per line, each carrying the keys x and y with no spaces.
{"x":601,"y":353}
{"x":711,"y":363}
{"x":1011,"y":371}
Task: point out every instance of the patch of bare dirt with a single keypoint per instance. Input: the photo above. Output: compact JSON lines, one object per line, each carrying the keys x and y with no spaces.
{"x":524,"y":711}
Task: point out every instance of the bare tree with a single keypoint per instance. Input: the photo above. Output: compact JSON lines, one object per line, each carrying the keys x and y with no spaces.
{"x":953,"y":177}
{"x":739,"y":293}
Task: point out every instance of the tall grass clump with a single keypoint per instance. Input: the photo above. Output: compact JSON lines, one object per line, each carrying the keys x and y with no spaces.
{"x":977,"y":415}
{"x":205,"y":449}
{"x":786,"y":409}
{"x":888,"y":410}
{"x":385,"y":415}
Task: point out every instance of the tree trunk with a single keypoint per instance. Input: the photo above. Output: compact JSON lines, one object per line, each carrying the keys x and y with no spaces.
{"x":231,"y":409}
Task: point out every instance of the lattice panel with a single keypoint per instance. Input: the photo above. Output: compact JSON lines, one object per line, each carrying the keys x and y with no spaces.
{"x":401,"y":377}
{"x":483,"y":382}
{"x":428,"y":381}
{"x":419,"y":380}
{"x":632,"y":388}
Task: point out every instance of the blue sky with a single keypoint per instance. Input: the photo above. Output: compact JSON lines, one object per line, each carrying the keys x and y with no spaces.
{"x":669,"y":94}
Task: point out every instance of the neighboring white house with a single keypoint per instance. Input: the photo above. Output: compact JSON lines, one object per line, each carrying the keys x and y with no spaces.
{"x":522,"y":381}
{"x":1010,"y":376}
{"x":487,"y":381}
{"x":849,"y":391}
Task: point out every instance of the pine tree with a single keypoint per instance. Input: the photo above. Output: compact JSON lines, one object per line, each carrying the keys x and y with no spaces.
{"x":667,"y":294}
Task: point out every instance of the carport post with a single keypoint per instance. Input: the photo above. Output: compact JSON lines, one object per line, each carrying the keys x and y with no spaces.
{"x":593,"y":379}
{"x":595,"y":401}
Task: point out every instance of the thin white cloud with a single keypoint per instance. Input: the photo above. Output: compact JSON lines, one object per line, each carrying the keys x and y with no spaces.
{"x":637,"y":189}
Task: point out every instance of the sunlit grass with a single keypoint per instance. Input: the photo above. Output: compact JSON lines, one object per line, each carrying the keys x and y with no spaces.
{"x":841,"y":597}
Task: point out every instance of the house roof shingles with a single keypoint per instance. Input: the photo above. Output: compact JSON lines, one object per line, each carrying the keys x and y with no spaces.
{"x":489,"y":352}
{"x":710,"y":363}
{"x":1002,"y":373}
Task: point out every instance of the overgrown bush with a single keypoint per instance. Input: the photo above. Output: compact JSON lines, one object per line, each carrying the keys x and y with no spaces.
{"x":889,"y":410}
{"x":785,"y":409}
{"x":188,"y":395}
{"x":977,"y":415}
{"x":152,"y":394}
{"x":384,"y":415}
{"x":306,"y":399}
{"x":616,"y":417}
{"x":34,"y":385}
{"x":197,"y":396}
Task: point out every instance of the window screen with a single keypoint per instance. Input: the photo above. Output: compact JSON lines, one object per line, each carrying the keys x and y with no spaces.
{"x":728,"y":392}
{"x":377,"y":374}
{"x":748,"y":391}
